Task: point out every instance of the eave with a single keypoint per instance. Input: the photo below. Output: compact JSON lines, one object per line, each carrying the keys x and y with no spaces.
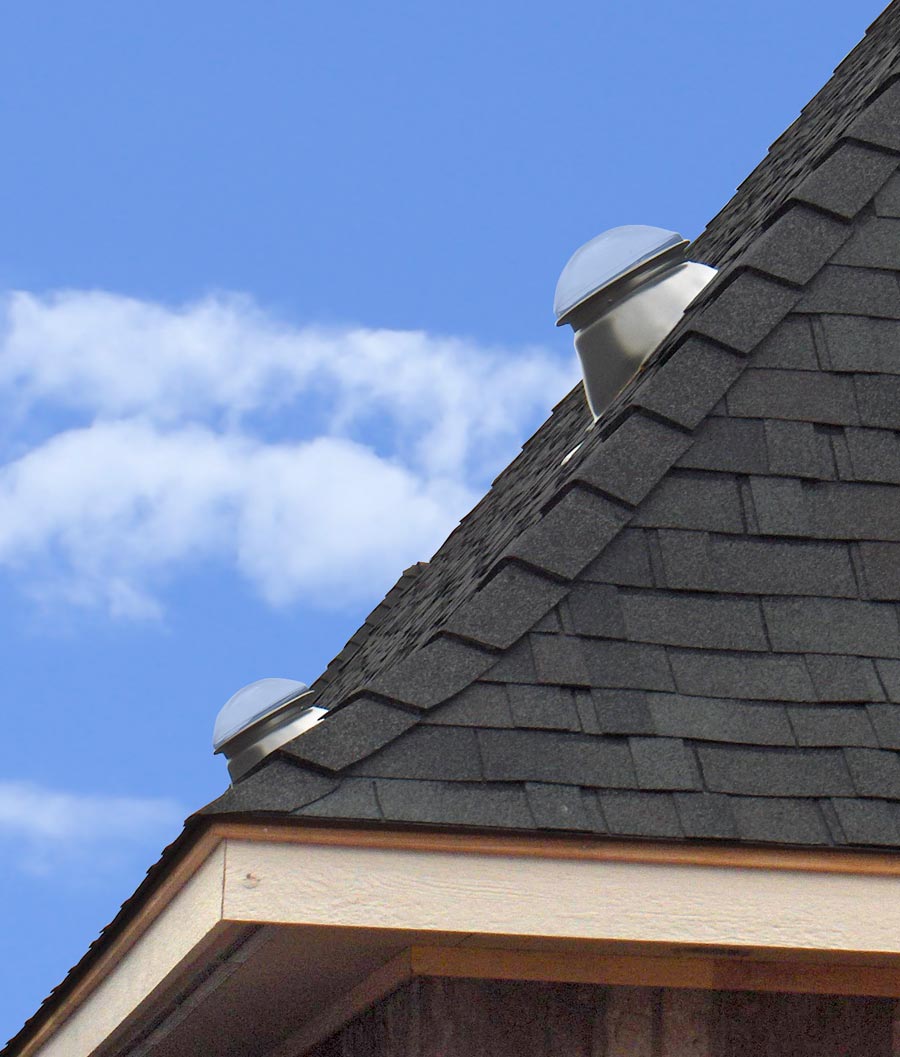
{"x":298,"y":926}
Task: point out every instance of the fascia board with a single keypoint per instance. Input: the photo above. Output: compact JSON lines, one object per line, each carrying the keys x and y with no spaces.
{"x":497,"y":895}
{"x":500,"y":892}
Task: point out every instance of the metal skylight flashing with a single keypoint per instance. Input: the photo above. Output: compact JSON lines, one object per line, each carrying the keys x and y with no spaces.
{"x":623,"y":293}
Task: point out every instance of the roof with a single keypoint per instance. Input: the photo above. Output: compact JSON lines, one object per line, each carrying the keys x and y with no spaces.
{"x":690,"y":628}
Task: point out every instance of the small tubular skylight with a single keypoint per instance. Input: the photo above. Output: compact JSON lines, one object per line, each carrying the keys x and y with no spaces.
{"x":606,"y":258}
{"x":251,"y":704}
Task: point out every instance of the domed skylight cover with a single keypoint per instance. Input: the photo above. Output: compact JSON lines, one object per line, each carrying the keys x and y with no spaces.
{"x":606,"y":258}
{"x":251,"y":704}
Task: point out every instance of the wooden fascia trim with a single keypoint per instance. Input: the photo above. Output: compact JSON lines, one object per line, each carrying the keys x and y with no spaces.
{"x":167,"y":887}
{"x":673,"y":970}
{"x":174,"y":877}
{"x":825,"y":860}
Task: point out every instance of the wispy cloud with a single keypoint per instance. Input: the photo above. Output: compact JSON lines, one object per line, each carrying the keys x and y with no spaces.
{"x":42,"y":828}
{"x":317,"y":462}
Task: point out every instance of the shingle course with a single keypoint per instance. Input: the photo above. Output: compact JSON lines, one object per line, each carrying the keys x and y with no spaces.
{"x":711,"y":621}
{"x":691,"y":499}
{"x":887,"y":200}
{"x":506,"y":607}
{"x":628,"y":665}
{"x":885,"y":717}
{"x":720,"y":719}
{"x":631,"y":461}
{"x":874,"y":455}
{"x":664,"y":763}
{"x":748,"y":566}
{"x":571,"y":534}
{"x":545,"y":756}
{"x":429,"y":752}
{"x":543,"y":708}
{"x":361,"y":727}
{"x":689,"y":383}
{"x":889,"y":673}
{"x":875,"y":243}
{"x":818,"y":625}
{"x":705,"y":815}
{"x":730,"y":446}
{"x":832,"y":725}
{"x":436,"y":672}
{"x":640,"y":814}
{"x":454,"y":803}
{"x":840,"y":290}
{"x":796,"y":246}
{"x":625,"y":561}
{"x":789,"y":345}
{"x":799,"y":449}
{"x":856,"y":343}
{"x":480,"y":704}
{"x":868,"y":822}
{"x":875,"y":772}
{"x":354,"y":798}
{"x":826,"y":510}
{"x":618,"y":712}
{"x":799,"y":395}
{"x":594,"y":609}
{"x":879,"y":123}
{"x":775,"y":772}
{"x":878,"y":399}
{"x":843,"y":678}
{"x":559,"y":807}
{"x":280,"y":785}
{"x":782,"y":820}
{"x":744,"y":312}
{"x":881,"y":568}
{"x":757,"y":677}
{"x":847,"y":179}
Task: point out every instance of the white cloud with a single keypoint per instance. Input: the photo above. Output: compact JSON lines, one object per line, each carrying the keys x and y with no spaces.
{"x":317,"y":462}
{"x":45,"y":827}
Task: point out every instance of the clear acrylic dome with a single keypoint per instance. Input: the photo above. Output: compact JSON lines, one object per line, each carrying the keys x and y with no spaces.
{"x":608,"y":257}
{"x":252,"y":703}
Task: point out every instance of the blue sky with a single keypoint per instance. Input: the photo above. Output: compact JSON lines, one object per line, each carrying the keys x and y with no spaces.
{"x":275,"y":284}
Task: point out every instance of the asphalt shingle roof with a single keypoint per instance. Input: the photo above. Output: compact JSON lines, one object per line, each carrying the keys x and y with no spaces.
{"x":689,"y":629}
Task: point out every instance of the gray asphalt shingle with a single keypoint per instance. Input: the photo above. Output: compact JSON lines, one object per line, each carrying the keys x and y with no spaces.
{"x":775,"y":772}
{"x":847,"y":179}
{"x":802,"y":396}
{"x":693,"y":500}
{"x":748,"y":566}
{"x":874,"y":455}
{"x":549,"y":756}
{"x":664,"y":763}
{"x":686,"y":386}
{"x":832,"y":725}
{"x":640,"y":814}
{"x":617,"y":712}
{"x":841,"y":290}
{"x":711,"y":621}
{"x":807,"y":625}
{"x":859,"y":344}
{"x":779,"y":819}
{"x":711,"y":576}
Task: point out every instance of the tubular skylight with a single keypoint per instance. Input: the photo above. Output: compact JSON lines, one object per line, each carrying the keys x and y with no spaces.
{"x":608,"y":257}
{"x":251,"y":704}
